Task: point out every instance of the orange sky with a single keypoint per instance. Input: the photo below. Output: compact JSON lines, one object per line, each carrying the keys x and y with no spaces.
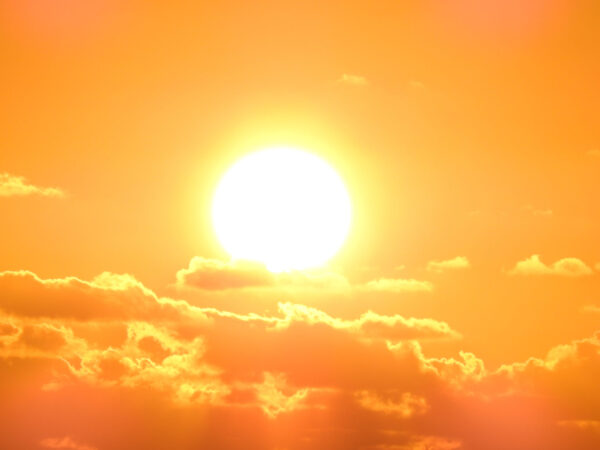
{"x":467,"y":133}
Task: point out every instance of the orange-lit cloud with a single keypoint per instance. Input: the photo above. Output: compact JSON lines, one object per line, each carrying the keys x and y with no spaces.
{"x":17,"y":186}
{"x":370,"y":324}
{"x":65,"y":443}
{"x":214,"y":275}
{"x":538,"y":211}
{"x":300,"y":367}
{"x":107,"y":297}
{"x":567,"y":267}
{"x":591,"y":425}
{"x":211,"y":274}
{"x":275,"y":397}
{"x":417,"y":85}
{"x":428,"y":443}
{"x":397,"y":285}
{"x":405,"y":405}
{"x":460,"y":262}
{"x":353,"y":80}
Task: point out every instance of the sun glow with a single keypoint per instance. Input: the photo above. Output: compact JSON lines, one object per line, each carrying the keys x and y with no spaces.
{"x":283,"y":207}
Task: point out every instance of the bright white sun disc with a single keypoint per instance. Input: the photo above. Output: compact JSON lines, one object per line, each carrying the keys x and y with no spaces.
{"x":283,"y":207}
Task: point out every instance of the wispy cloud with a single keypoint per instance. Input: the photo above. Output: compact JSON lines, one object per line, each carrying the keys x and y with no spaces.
{"x":397,"y":285}
{"x":541,"y":212}
{"x":417,"y":85}
{"x":18,"y":186}
{"x":591,"y":425}
{"x":591,"y":309}
{"x":354,"y":80}
{"x":460,"y":262}
{"x":65,"y":443}
{"x":567,"y":267}
{"x":405,"y":405}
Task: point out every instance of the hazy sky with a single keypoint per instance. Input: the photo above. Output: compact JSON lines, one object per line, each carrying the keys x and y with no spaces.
{"x":461,"y":311}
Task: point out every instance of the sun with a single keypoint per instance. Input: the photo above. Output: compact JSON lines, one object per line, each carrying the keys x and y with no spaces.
{"x":283,"y":207}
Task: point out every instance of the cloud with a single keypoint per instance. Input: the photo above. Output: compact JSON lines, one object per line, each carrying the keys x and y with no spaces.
{"x":538,"y":211}
{"x":65,"y":443}
{"x":567,"y":267}
{"x":595,"y":152}
{"x":431,"y":443}
{"x":276,"y":397}
{"x":107,"y":297}
{"x":397,"y":285}
{"x":312,"y":280}
{"x":369,"y":324}
{"x":562,"y":364}
{"x":63,"y":316}
{"x":111,"y":297}
{"x":214,"y":275}
{"x":460,"y":262}
{"x":168,"y":374}
{"x":13,"y":186}
{"x":353,"y":80}
{"x":404,"y":405}
{"x":591,"y":309}
{"x":155,"y":358}
{"x":591,"y":425}
{"x":416,"y":84}
{"x":303,"y":356}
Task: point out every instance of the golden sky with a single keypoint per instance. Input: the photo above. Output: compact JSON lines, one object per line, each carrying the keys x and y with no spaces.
{"x":463,"y":310}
